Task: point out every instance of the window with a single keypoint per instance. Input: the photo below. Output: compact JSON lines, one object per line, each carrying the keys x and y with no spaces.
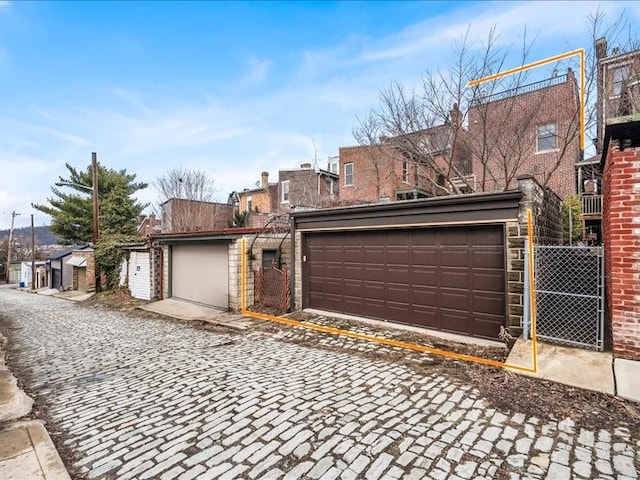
{"x":333,"y":167}
{"x":329,"y":186}
{"x":546,"y":137}
{"x":405,"y":172}
{"x":249,"y":204}
{"x":620,"y":75}
{"x":284,"y":187}
{"x":270,"y":258}
{"x":348,"y":174}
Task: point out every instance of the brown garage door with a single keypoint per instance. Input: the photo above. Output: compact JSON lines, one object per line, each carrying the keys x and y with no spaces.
{"x":444,"y":278}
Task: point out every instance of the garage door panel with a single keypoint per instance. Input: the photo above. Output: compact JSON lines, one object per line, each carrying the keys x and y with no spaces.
{"x":332,"y":286}
{"x":375,"y":272}
{"x":371,"y":290}
{"x":455,"y":321}
{"x":398,"y":255}
{"x":200,"y":273}
{"x":456,"y":299}
{"x":487,"y":280}
{"x":421,"y":275}
{"x":488,"y":302}
{"x":424,"y":255}
{"x":398,"y":293}
{"x":398,"y":311}
{"x":424,"y":296}
{"x":487,"y":258}
{"x":445,"y":278}
{"x":485,"y":326}
{"x":454,"y":277}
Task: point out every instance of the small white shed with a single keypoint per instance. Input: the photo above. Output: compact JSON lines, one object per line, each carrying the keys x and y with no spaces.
{"x":135,"y":272}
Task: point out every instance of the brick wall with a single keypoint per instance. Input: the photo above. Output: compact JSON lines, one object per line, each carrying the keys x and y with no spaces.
{"x":265,"y":199}
{"x":503,"y":138}
{"x":621,"y":228}
{"x":307,"y":189}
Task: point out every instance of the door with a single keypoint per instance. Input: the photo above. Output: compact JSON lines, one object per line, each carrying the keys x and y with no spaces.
{"x":56,"y":278}
{"x":200,"y":273}
{"x":450,"y":279}
{"x":82,"y":279}
{"x":139,"y":278}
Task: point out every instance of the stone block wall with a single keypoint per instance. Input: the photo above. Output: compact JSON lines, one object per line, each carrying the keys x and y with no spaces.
{"x":547,"y":230}
{"x":621,"y":229}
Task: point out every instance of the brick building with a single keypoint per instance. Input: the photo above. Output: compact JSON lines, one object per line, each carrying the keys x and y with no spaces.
{"x":303,"y":187}
{"x":532,"y":129}
{"x":621,"y":229}
{"x":263,"y":199}
{"x":416,"y":165}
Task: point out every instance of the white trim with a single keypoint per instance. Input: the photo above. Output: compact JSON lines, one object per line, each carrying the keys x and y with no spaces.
{"x":282,"y":184}
{"x":353,"y":176}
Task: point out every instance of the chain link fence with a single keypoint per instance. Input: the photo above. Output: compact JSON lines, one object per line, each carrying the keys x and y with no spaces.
{"x":271,"y":288}
{"x":569,"y":288}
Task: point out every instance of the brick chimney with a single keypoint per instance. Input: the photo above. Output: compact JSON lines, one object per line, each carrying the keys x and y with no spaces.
{"x":601,"y":53}
{"x":456,"y":116}
{"x":265,"y":179}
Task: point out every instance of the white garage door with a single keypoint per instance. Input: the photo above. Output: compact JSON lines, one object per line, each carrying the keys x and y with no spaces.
{"x":200,"y":273}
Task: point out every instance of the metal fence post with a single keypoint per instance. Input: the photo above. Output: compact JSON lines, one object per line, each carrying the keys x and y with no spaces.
{"x":526,"y":308}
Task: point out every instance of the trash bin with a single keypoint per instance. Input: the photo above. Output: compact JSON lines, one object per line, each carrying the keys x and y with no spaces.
{"x":21,"y":284}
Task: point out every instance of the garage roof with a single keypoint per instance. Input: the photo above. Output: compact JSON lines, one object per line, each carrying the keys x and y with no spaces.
{"x":77,"y":261}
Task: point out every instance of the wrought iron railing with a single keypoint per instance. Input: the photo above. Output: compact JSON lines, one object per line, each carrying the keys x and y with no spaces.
{"x":521,"y":89}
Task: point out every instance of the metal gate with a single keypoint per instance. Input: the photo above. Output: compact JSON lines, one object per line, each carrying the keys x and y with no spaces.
{"x":569,"y":288}
{"x":271,"y":288}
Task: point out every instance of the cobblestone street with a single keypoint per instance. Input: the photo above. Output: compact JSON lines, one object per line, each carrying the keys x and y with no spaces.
{"x":145,"y":398}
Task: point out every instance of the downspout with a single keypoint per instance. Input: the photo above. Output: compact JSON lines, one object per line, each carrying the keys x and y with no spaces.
{"x":160,"y":250}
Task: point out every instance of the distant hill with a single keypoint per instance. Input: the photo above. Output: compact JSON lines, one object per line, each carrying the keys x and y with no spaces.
{"x":43,"y":235}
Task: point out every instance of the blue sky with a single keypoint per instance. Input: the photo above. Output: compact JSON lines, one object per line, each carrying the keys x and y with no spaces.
{"x":231,"y":88}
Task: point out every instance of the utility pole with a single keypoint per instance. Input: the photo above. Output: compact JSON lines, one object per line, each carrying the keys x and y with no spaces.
{"x":33,"y":256}
{"x":96,"y":223}
{"x":94,"y":197}
{"x":13,"y":217}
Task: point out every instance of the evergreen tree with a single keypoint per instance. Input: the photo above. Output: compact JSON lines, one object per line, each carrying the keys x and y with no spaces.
{"x":72,"y":213}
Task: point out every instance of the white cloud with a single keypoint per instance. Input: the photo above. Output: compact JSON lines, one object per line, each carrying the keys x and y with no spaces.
{"x":258,"y":71}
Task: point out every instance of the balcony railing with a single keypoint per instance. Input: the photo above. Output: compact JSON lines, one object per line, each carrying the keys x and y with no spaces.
{"x":591,"y":205}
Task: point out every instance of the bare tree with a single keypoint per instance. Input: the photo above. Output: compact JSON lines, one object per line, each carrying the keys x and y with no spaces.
{"x":461,"y":138}
{"x":186,"y":200}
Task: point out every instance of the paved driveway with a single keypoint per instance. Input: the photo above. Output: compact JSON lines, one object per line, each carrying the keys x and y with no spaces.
{"x":149,"y":398}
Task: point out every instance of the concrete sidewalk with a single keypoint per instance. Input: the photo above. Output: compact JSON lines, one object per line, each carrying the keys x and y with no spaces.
{"x":598,"y":371}
{"x":191,"y":311}
{"x":27,"y":453}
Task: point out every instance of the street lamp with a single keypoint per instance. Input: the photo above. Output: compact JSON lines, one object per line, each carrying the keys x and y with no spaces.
{"x":94,"y":194}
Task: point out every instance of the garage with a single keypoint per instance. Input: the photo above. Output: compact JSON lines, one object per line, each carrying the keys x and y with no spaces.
{"x":453,"y":264}
{"x":448,"y":278}
{"x":200,"y":273}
